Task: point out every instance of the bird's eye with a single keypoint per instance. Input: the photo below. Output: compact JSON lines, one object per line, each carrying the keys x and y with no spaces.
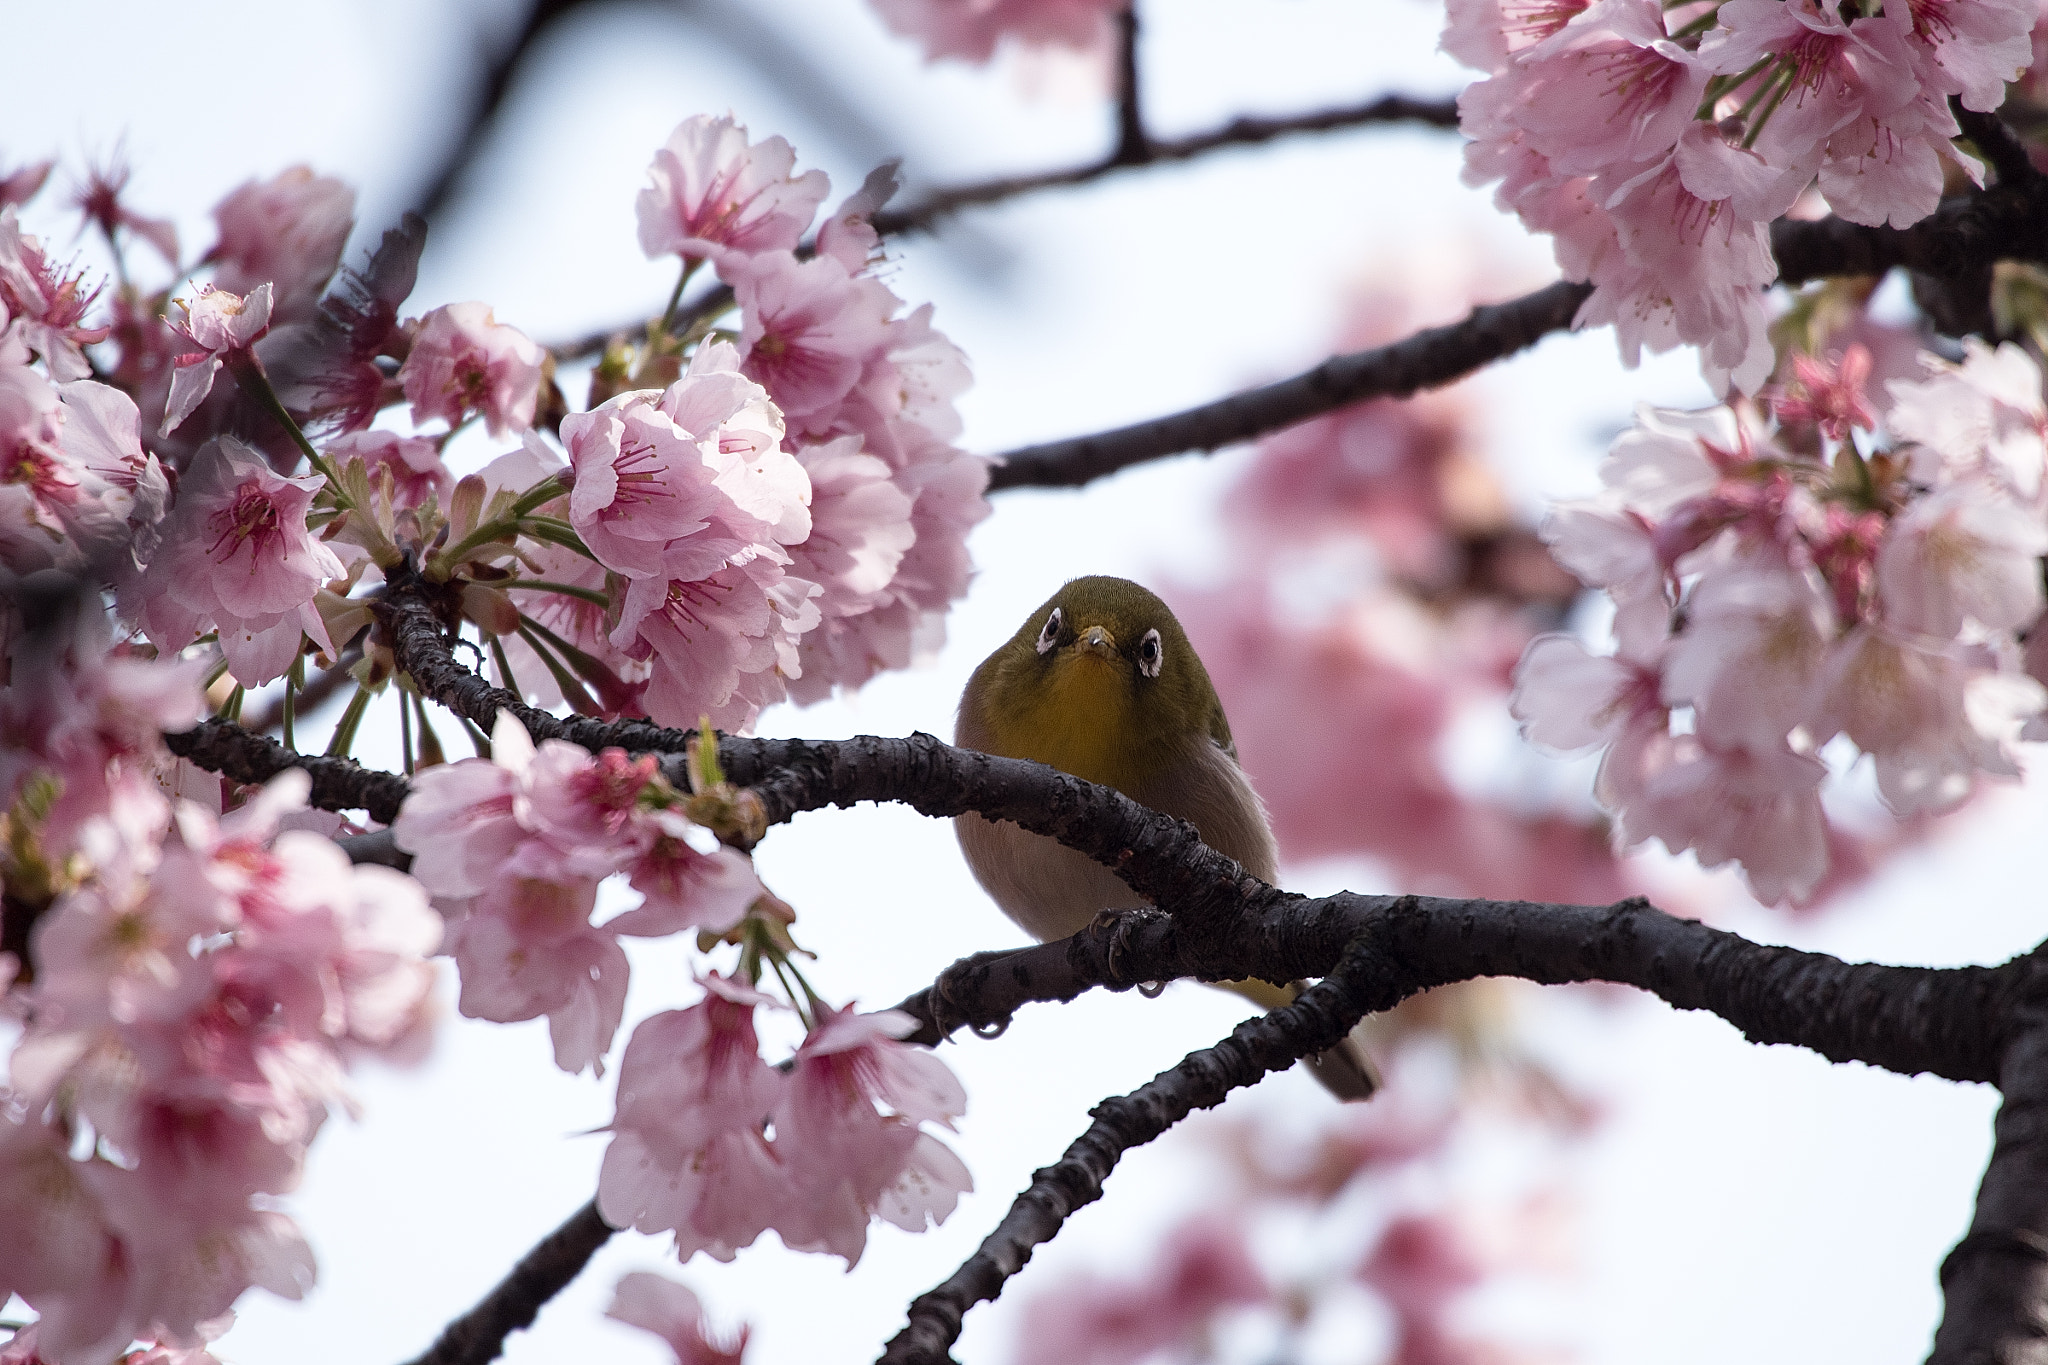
{"x":1150,"y":654}
{"x":1050,"y":634}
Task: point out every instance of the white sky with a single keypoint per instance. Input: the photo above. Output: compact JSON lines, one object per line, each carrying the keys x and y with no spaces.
{"x":1742,"y":1203}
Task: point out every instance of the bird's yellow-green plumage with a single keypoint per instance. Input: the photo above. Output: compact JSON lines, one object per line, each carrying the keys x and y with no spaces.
{"x":1101,"y":682}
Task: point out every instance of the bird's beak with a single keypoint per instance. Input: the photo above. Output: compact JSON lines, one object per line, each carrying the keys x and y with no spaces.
{"x":1096,"y":640}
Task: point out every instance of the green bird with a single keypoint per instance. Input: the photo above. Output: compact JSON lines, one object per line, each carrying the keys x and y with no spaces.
{"x":1101,"y":682}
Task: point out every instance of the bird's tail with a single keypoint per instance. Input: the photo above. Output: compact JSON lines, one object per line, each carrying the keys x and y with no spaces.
{"x":1345,"y":1070}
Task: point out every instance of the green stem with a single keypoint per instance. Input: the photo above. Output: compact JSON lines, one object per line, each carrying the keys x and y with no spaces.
{"x":345,"y":728}
{"x":248,"y":372}
{"x":214,"y":675}
{"x":566,"y":589}
{"x":505,"y":678}
{"x":480,"y":741}
{"x":404,"y":736}
{"x":293,"y":681}
{"x":1784,"y":88}
{"x":432,"y":755}
{"x":775,"y":965}
{"x":572,"y":691}
{"x":556,"y":532}
{"x":231,"y":709}
{"x":675,"y":297}
{"x":547,"y":490}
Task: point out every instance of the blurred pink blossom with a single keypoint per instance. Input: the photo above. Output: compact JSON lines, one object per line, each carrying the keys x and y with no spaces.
{"x":463,"y":361}
{"x":288,"y":232}
{"x":673,"y":1313}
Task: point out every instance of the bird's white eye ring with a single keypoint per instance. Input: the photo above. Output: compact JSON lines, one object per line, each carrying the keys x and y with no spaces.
{"x":1050,"y":634}
{"x":1150,"y":654}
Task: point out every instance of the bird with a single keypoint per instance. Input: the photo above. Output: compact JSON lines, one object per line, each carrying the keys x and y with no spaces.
{"x":1101,"y":682}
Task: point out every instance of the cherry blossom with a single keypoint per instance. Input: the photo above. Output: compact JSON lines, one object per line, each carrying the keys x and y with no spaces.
{"x":238,"y":557}
{"x":688,"y":1154}
{"x":848,"y":1162}
{"x":673,"y":1313}
{"x":223,"y":327}
{"x":463,"y":361}
{"x":715,"y":195}
{"x":41,"y":307}
{"x":972,"y":31}
{"x":288,"y":232}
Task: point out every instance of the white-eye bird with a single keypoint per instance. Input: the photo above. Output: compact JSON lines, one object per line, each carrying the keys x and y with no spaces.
{"x":1101,"y":682}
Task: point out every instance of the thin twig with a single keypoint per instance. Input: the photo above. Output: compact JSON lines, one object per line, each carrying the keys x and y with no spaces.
{"x":1133,"y":147}
{"x":1323,"y":1014}
{"x":1437,"y":355}
{"x":2000,"y":145}
{"x":942,"y":203}
{"x":1242,"y":132}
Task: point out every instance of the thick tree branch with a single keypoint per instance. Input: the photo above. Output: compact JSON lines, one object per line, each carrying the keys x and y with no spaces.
{"x":478,"y":1336}
{"x":1966,"y":234}
{"x":1324,"y":1014}
{"x":1995,"y":1281}
{"x":338,"y":783}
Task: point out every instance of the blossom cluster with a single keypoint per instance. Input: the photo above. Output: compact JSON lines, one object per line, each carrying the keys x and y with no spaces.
{"x":514,"y":848}
{"x":1838,"y":565}
{"x":193,"y":989}
{"x":1655,"y":143}
{"x":861,"y":410}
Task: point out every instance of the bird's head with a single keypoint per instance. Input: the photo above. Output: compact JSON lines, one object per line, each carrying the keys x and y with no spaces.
{"x":1100,"y":682}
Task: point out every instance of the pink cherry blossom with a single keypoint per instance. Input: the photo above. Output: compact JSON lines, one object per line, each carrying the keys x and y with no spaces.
{"x":666,"y":485}
{"x":458,"y":821}
{"x":722,"y":642}
{"x":412,"y":463}
{"x":238,"y":556}
{"x":971,"y":31}
{"x":1828,"y":394}
{"x":221,"y":327}
{"x":463,"y":361}
{"x":1167,"y":1308}
{"x":688,"y":1154}
{"x":1969,"y":48}
{"x":715,"y":195}
{"x":1965,"y":552}
{"x":1609,"y":88}
{"x":1984,"y":417}
{"x":41,"y":307}
{"x":673,"y":1313}
{"x":808,"y":332}
{"x":287,"y":231}
{"x":99,"y":199}
{"x":527,"y":948}
{"x":682,"y":886}
{"x":847,"y":1161}
{"x":23,"y":183}
{"x":1755,"y":631}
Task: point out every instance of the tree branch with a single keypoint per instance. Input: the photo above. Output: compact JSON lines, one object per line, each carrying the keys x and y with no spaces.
{"x":1133,"y":147}
{"x":478,"y":1336}
{"x":1323,"y":1014}
{"x":1434,"y":356}
{"x":943,"y":203}
{"x":1995,"y":1281}
{"x":224,"y":747}
{"x":1242,"y":132}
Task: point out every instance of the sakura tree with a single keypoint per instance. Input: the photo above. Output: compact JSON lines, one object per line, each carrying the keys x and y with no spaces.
{"x":356,"y":641}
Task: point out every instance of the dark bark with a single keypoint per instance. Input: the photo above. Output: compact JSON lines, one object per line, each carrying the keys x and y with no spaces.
{"x":338,"y":783}
{"x":478,"y":1336}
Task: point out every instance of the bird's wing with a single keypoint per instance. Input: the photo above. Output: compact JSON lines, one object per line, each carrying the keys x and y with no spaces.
{"x":1219,"y":731}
